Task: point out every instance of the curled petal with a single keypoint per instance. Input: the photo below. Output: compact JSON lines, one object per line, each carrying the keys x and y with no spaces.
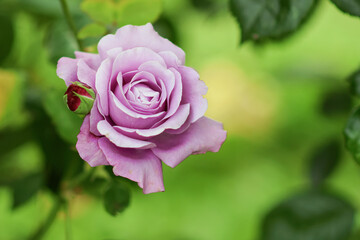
{"x":121,"y":140}
{"x":102,"y":86}
{"x":88,"y":147}
{"x":174,"y":122}
{"x":202,"y":136}
{"x":193,"y":91}
{"x":141,"y":166}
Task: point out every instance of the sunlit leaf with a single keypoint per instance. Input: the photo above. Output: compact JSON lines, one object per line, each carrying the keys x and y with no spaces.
{"x":324,"y":160}
{"x":309,"y":216}
{"x":270,"y":19}
{"x":137,"y":12}
{"x":349,"y":6}
{"x":92,"y":30}
{"x":99,"y":10}
{"x":352,"y":135}
{"x":116,"y":198}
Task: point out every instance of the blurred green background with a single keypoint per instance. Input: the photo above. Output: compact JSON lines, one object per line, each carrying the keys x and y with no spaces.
{"x":274,"y":99}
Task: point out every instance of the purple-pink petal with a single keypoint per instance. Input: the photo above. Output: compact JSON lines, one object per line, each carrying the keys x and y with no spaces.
{"x":67,"y":70}
{"x":121,"y":140}
{"x":193,"y":91}
{"x":88,"y":147}
{"x":92,"y":60}
{"x":86,"y":74}
{"x":202,"y":136}
{"x":129,"y":37}
{"x":141,"y":166}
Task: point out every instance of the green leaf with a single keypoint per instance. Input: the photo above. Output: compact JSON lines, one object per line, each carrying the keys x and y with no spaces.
{"x":92,"y":30}
{"x":352,"y":135}
{"x":354,"y":81}
{"x":270,"y":19}
{"x":23,"y":189}
{"x":7,"y":36}
{"x":101,"y":11}
{"x":116,"y":198}
{"x":349,"y":6}
{"x":324,"y":160}
{"x":137,"y":12}
{"x":309,"y":216}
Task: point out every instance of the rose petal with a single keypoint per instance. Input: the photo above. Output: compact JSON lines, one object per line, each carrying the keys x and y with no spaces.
{"x":67,"y":70}
{"x":102,"y":86}
{"x":92,"y":60}
{"x":126,"y":117}
{"x":131,"y":59}
{"x":193,"y":91}
{"x":170,"y":59}
{"x":121,"y":140}
{"x":202,"y":136}
{"x":130,"y":36}
{"x":87,"y":146}
{"x":86,"y":74}
{"x":95,"y":118}
{"x":174,"y":122}
{"x":141,"y":166}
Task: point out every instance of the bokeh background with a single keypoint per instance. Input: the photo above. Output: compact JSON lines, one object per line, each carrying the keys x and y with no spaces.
{"x":279,"y":101}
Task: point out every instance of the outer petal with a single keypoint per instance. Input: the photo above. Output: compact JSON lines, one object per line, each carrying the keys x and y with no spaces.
{"x":193,"y":91}
{"x":121,"y":140}
{"x":141,"y":166}
{"x":87,"y":146}
{"x":139,"y":36}
{"x":91,"y":59}
{"x":202,"y":136}
{"x":67,"y":70}
{"x":86,"y":74}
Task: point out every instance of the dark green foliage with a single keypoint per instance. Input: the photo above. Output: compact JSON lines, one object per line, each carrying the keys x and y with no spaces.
{"x":25,"y":188}
{"x":7,"y":36}
{"x":309,"y":216}
{"x":270,"y":19}
{"x":352,"y":135}
{"x":336,"y":102}
{"x":324,"y":161}
{"x":166,"y":29}
{"x":354,"y":81}
{"x":349,"y":6}
{"x":116,"y":197}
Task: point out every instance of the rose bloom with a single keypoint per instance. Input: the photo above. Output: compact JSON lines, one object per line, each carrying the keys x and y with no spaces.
{"x":149,"y":107}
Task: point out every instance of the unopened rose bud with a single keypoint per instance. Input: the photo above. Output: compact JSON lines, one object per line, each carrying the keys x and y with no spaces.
{"x":79,"y":98}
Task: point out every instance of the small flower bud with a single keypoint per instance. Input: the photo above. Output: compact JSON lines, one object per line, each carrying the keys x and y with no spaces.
{"x":79,"y":98}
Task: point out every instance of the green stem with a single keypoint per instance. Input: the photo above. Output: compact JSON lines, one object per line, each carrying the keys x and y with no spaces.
{"x":48,"y":222}
{"x":70,"y":21}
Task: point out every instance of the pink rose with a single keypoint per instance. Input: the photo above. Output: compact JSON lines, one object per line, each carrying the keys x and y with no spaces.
{"x":148,"y":108}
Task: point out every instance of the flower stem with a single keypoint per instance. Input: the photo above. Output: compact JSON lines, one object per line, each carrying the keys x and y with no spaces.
{"x":48,"y":222}
{"x":71,"y":24}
